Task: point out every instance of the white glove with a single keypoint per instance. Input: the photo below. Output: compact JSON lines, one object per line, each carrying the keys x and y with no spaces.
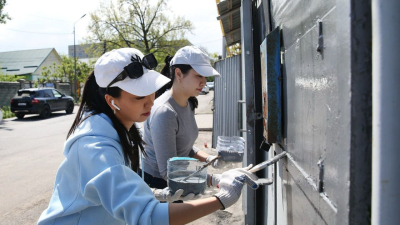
{"x":231,"y":185}
{"x":213,"y":179}
{"x":217,"y":164}
{"x":165,"y":195}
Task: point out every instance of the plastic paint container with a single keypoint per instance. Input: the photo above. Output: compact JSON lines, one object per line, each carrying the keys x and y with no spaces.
{"x":231,"y":149}
{"x":181,"y":167}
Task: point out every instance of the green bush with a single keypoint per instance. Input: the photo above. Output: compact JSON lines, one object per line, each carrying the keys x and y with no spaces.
{"x":7,"y":112}
{"x":8,"y":78}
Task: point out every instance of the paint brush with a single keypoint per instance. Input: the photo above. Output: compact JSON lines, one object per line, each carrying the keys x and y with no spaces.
{"x":264,"y":164}
{"x":201,"y":168}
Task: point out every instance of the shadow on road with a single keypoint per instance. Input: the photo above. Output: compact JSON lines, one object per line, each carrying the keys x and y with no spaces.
{"x":3,"y":125}
{"x":32,"y":118}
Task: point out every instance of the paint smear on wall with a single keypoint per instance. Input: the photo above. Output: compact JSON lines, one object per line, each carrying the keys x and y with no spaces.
{"x":314,"y":84}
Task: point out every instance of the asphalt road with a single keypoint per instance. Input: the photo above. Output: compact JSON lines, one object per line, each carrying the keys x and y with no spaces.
{"x":30,"y":154}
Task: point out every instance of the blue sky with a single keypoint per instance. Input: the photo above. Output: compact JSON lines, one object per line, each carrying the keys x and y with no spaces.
{"x":49,"y":24}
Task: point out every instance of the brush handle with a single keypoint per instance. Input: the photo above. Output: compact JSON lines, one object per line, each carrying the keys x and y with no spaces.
{"x":204,"y":166}
{"x":267,"y":163}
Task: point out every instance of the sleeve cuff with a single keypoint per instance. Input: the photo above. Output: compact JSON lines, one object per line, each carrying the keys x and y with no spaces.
{"x":160,"y":214}
{"x":223,"y":207}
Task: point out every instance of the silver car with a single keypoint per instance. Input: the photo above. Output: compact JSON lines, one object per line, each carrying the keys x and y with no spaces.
{"x":205,"y":90}
{"x":210,"y":85}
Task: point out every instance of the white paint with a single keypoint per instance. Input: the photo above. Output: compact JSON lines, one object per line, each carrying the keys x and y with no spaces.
{"x":314,"y":84}
{"x":310,"y":181}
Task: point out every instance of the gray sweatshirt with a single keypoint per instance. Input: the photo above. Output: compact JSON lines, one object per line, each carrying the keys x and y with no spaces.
{"x":170,"y":131}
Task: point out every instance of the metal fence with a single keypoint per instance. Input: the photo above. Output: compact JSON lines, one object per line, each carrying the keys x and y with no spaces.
{"x":227,"y":93}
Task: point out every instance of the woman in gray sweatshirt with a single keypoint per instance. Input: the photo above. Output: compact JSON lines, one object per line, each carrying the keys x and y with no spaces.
{"x":171,"y":129}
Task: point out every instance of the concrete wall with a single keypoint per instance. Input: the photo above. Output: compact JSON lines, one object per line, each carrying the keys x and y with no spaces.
{"x":64,"y":88}
{"x":7,"y":92}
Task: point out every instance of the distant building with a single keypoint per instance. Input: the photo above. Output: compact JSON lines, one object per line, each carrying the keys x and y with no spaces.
{"x":28,"y":64}
{"x":81,"y":54}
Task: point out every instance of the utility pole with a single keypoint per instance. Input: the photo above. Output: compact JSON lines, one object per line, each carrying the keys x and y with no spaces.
{"x":76,"y":83}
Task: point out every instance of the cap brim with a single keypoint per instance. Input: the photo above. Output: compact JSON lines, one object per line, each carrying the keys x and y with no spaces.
{"x":147,"y":84}
{"x":206,"y":71}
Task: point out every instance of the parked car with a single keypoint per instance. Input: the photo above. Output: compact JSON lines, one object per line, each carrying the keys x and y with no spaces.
{"x":1,"y":115}
{"x":210,"y":85}
{"x":205,"y":90}
{"x":40,"y":101}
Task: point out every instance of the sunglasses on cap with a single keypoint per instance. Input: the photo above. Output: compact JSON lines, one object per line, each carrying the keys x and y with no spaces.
{"x":134,"y":69}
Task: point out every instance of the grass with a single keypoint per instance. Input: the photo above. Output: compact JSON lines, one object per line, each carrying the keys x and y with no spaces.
{"x":7,"y":112}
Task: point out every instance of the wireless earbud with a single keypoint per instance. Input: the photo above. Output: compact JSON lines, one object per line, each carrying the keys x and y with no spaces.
{"x":113,"y":104}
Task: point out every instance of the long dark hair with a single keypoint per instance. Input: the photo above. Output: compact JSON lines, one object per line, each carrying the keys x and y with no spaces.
{"x":169,"y":71}
{"x":93,"y":102}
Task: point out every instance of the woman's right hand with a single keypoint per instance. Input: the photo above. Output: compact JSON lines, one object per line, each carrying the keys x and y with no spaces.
{"x":231,"y":185}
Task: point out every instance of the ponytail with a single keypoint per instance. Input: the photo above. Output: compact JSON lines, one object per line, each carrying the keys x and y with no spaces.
{"x":166,"y":72}
{"x":169,"y":71}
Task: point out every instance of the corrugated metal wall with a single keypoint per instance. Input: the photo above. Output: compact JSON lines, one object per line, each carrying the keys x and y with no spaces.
{"x":227,"y":93}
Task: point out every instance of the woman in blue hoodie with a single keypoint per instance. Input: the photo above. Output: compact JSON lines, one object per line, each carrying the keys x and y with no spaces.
{"x":97,"y":182}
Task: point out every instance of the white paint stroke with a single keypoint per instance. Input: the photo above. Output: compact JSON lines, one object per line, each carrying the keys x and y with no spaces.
{"x":312,"y":183}
{"x":314,"y":84}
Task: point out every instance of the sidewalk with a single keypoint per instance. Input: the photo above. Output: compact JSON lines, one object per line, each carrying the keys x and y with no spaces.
{"x":233,"y":215}
{"x":204,"y":121}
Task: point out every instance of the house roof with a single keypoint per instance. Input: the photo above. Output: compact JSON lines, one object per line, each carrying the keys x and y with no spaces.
{"x":24,"y":61}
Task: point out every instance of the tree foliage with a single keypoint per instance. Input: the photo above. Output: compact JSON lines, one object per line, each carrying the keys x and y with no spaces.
{"x":140,"y":24}
{"x":65,"y":71}
{"x":3,"y":16}
{"x":8,"y":78}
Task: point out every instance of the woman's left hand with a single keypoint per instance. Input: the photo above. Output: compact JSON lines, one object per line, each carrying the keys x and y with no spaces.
{"x":217,"y":164}
{"x":166,"y":195}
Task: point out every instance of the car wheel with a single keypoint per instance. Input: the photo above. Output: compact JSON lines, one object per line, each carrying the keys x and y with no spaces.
{"x":45,"y":112}
{"x":20,"y":115}
{"x":70,"y":108}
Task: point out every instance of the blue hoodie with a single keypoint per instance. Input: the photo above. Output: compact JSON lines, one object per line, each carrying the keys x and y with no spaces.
{"x":94,"y":186}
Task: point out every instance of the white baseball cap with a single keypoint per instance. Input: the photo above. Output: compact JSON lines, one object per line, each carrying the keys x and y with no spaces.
{"x":196,"y":58}
{"x":112,"y":63}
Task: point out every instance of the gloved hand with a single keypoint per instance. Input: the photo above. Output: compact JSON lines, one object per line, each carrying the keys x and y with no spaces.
{"x":231,"y":185}
{"x":217,"y":164}
{"x":213,"y":179}
{"x":165,"y":195}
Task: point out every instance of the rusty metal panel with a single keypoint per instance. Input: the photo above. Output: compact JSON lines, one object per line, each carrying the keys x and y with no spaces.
{"x":271,"y":81}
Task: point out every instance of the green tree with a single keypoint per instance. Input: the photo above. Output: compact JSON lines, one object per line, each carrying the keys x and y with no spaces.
{"x":141,"y":24}
{"x":3,"y":16}
{"x":8,"y":78}
{"x":65,"y":71}
{"x":49,"y":74}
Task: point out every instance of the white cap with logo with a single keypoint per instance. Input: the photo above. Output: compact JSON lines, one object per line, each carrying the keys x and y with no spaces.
{"x":112,"y":63}
{"x":196,"y":58}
